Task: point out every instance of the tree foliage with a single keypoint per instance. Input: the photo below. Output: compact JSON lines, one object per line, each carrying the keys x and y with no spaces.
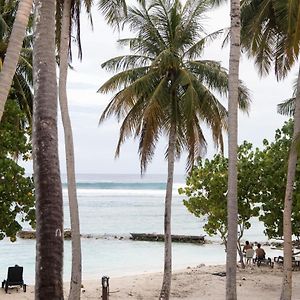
{"x":261,"y":188}
{"x":206,"y":191}
{"x":16,"y":189}
{"x":271,"y":164}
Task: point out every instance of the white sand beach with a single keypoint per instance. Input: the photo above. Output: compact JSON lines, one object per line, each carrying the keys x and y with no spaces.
{"x":192,"y":283}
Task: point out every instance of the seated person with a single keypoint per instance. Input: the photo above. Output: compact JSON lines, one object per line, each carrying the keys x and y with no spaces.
{"x":246,"y":247}
{"x":260,"y":252}
{"x":249,"y":255}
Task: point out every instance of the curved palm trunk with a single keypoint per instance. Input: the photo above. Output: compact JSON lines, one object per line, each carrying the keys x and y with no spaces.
{"x":13,"y":50}
{"x":286,"y":292}
{"x":75,"y":284}
{"x":231,"y":256}
{"x":49,"y":202}
{"x":166,"y":285}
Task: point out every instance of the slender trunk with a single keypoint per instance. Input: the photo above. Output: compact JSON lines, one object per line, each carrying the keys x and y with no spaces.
{"x":166,"y":285}
{"x":75,"y":284}
{"x":13,"y":50}
{"x":231,"y":255}
{"x":286,"y":292}
{"x":49,"y":202}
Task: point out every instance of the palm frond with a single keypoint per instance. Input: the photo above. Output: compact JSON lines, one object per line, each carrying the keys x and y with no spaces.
{"x":141,"y":21}
{"x":287,"y":107}
{"x":210,"y":73}
{"x":197,"y":49}
{"x":24,"y":96}
{"x":123,"y":79}
{"x":125,"y":62}
{"x":115,"y":11}
{"x":131,"y":124}
{"x":192,"y":12}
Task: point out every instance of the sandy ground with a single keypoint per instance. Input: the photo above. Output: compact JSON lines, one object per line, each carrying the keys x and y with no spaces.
{"x":192,"y":283}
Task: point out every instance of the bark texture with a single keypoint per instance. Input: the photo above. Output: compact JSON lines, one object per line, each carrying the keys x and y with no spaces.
{"x":286,"y":292}
{"x":75,"y":284}
{"x":49,"y":201}
{"x":166,"y":285}
{"x":13,"y":50}
{"x":231,"y":255}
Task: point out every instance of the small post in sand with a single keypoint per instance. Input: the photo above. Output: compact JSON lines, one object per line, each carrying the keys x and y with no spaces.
{"x":105,"y":288}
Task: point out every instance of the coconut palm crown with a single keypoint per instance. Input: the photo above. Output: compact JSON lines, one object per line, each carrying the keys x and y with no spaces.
{"x":164,"y":82}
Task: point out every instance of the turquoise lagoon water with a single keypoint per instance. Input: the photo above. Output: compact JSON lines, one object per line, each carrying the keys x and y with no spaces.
{"x":112,"y":206}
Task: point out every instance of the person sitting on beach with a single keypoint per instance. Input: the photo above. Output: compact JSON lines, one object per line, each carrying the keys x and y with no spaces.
{"x":249,"y":255}
{"x":260,"y":252}
{"x":246,"y":247}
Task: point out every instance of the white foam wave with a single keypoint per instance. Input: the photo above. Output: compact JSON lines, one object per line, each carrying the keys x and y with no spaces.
{"x":131,"y":193}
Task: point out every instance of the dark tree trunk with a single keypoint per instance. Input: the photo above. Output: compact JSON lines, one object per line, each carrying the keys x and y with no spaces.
{"x":49,"y":204}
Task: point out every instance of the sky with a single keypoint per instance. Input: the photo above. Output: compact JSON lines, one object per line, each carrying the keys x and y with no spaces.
{"x":95,"y":145}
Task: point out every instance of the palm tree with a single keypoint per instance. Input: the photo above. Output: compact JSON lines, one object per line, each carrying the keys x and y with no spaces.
{"x":232,"y":207}
{"x":75,"y":284}
{"x":163,"y":88}
{"x":69,"y":18}
{"x":14,"y":47}
{"x":49,"y":204}
{"x":272,"y":35}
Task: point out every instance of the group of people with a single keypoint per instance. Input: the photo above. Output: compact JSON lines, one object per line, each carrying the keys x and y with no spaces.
{"x":248,"y":250}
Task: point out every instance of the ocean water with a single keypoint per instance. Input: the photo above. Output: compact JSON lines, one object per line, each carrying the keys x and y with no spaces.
{"x":113,"y":206}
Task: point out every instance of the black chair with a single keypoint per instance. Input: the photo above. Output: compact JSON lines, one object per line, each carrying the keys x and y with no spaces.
{"x":14,"y":277}
{"x":295,"y":263}
{"x":262,"y":260}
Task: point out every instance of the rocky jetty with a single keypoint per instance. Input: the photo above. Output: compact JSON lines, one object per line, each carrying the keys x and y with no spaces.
{"x":31,"y":234}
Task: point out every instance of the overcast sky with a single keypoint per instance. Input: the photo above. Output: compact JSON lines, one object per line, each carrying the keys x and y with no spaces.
{"x":95,"y":146}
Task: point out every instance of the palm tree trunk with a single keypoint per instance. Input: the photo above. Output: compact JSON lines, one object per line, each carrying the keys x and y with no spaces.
{"x":49,"y":201}
{"x":166,"y":285}
{"x":231,"y":255}
{"x":75,"y":284}
{"x":286,"y":292}
{"x":13,"y":50}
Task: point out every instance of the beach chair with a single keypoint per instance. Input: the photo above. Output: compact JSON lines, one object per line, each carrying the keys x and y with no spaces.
{"x":14,"y":277}
{"x":263,"y":261}
{"x":295,"y":263}
{"x":278,"y":260}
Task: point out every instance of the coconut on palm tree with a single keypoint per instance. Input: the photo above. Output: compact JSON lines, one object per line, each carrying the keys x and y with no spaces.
{"x":271,"y":34}
{"x":165,"y":89}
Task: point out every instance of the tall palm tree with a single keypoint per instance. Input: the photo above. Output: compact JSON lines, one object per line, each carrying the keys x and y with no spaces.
{"x":232,"y":207}
{"x":272,"y":35}
{"x":68,"y":19}
{"x":163,"y":88}
{"x":75,"y":284}
{"x":49,"y":204}
{"x":14,"y":47}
